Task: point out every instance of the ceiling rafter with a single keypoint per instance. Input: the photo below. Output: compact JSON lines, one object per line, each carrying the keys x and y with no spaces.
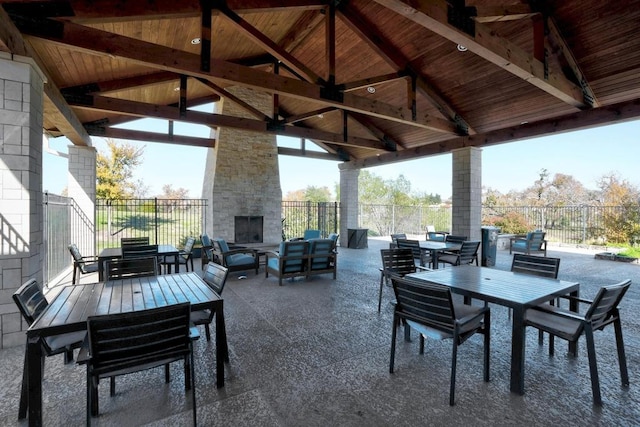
{"x":124,"y":83}
{"x":140,"y":109}
{"x":155,"y":56}
{"x":583,"y":119}
{"x":432,"y":15}
{"x":136,"y":135}
{"x":267,"y":44}
{"x":392,"y":56}
{"x":71,"y":125}
{"x":231,"y":97}
{"x":510,"y":12}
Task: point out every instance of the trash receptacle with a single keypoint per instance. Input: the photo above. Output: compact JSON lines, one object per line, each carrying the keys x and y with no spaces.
{"x":357,"y":238}
{"x":489,"y":245}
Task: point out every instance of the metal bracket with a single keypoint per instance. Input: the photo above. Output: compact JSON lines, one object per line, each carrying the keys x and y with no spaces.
{"x":460,"y":15}
{"x":275,"y":126}
{"x":332,"y":93}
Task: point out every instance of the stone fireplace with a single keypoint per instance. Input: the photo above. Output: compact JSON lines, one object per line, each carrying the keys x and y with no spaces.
{"x":242,"y":178}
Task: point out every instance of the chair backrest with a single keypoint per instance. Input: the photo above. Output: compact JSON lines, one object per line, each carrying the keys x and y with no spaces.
{"x":604,"y":307}
{"x":450,"y":238}
{"x":319,"y":247}
{"x":468,"y":251}
{"x":77,"y":256}
{"x":188,"y":246}
{"x":139,"y":339}
{"x":297,"y":250}
{"x":398,"y":261}
{"x":220,"y":245}
{"x":30,"y":300}
{"x":431,"y":228}
{"x":311,"y":234}
{"x":395,"y":237}
{"x":139,"y":251}
{"x":535,"y":240}
{"x":334,"y":237}
{"x":125,"y":241}
{"x":426,"y":303}
{"x":215,"y":275}
{"x":536,"y":265}
{"x":128,"y":268}
{"x":414,"y":245}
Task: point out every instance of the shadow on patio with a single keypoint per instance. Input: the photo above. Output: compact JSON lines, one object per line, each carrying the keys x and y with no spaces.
{"x":316,"y":353}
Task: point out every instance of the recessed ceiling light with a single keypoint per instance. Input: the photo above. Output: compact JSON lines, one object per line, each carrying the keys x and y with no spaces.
{"x":176,"y":89}
{"x":371,"y":89}
{"x":195,"y":41}
{"x":524,"y":122}
{"x":462,"y":48}
{"x":321,"y":116}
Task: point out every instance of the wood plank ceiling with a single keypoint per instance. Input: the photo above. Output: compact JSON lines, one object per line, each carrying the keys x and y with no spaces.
{"x":371,"y":82}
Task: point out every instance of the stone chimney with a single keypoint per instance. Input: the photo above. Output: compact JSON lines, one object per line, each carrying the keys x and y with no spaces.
{"x":242,"y":178}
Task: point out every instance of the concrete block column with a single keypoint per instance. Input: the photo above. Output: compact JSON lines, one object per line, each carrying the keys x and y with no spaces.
{"x":82,"y":189}
{"x":467,"y":192}
{"x":348,"y":201}
{"x":21,"y":255}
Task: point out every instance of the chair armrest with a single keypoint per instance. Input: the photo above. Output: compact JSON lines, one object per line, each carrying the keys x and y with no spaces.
{"x":90,"y":258}
{"x":419,"y":267}
{"x":84,"y":356}
{"x":253,"y":252}
{"x":572,"y":298}
{"x":551,"y":309}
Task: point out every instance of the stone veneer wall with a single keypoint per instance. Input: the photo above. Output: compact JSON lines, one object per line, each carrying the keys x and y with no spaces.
{"x":242,"y":177}
{"x":21,"y":103}
{"x":467,"y":192}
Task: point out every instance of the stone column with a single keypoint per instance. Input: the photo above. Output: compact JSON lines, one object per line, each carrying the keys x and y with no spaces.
{"x":349,"y":204}
{"x":242,"y":176}
{"x":467,"y":192}
{"x":81,"y":185}
{"x":21,"y":116}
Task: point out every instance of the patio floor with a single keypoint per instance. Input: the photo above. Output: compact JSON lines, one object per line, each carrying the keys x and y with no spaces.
{"x":316,"y":353}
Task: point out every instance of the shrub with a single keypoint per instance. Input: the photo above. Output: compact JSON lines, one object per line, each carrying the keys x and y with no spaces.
{"x":509,"y":223}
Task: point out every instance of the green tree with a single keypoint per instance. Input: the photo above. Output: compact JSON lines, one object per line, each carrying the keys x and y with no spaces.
{"x":622,"y":218}
{"x":317,"y":194}
{"x":114,"y":171}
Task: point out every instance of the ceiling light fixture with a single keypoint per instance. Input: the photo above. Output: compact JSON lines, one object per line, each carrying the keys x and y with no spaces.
{"x":176,"y":89}
{"x":321,"y":116}
{"x":371,"y":89}
{"x":462,"y":48}
{"x":196,"y":40}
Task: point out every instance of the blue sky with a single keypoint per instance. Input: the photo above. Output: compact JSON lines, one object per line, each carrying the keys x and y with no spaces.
{"x":586,"y":155}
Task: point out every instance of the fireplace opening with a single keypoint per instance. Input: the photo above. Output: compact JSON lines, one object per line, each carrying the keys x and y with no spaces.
{"x":248,"y":229}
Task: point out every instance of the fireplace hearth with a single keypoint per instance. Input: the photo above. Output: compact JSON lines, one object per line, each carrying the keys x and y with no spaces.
{"x":248,"y":229}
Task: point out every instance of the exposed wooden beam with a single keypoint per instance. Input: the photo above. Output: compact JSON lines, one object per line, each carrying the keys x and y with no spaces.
{"x":510,"y":12}
{"x":160,"y":57}
{"x":139,"y":82}
{"x":392,"y":56}
{"x":301,"y":29}
{"x":139,"y":109}
{"x":136,"y":135}
{"x":432,"y":15}
{"x":69,"y":124}
{"x":285,"y":151}
{"x":584,"y":119}
{"x":560,"y":46}
{"x":231,"y":97}
{"x":307,"y":115}
{"x":372,"y":81}
{"x":268,"y":44}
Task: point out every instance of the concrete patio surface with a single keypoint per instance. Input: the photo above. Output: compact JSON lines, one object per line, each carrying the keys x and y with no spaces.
{"x":316,"y":353}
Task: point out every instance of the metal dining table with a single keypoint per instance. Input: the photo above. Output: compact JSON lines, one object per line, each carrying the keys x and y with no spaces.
{"x":69,"y":311}
{"x":116,"y":252}
{"x":514,"y":290}
{"x":434,"y":248}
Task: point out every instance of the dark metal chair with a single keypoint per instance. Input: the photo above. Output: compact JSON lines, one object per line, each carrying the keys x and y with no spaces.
{"x":139,"y":251}
{"x":602,"y":311}
{"x":124,"y":343}
{"x":397,"y":261}
{"x":533,"y":242}
{"x":184,"y":257}
{"x":82,"y":264}
{"x":394,"y":239}
{"x":134,"y":241}
{"x":418,"y":253}
{"x":127,"y":268}
{"x":536,"y":266}
{"x":31,"y":302}
{"x":467,"y":254}
{"x":235,"y":258}
{"x":214,"y":275}
{"x":429,"y":309}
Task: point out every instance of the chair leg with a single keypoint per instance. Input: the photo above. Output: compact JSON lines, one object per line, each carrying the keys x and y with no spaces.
{"x":487,"y":345}
{"x":24,"y":390}
{"x":421,"y":344}
{"x":454,"y":359}
{"x":207,"y":331}
{"x":68,"y":356}
{"x":167,"y":374}
{"x":622,"y":358}
{"x":380,"y":293}
{"x":396,"y":322}
{"x":193,"y":388}
{"x":593,"y":366}
{"x":112,"y":386}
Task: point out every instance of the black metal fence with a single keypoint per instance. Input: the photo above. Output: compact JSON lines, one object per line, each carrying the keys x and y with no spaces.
{"x":300,"y":216}
{"x":165,"y":221}
{"x":172,"y":221}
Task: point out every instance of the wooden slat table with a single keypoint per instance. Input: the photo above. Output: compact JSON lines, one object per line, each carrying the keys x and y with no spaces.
{"x":514,"y":290}
{"x":68,"y":312}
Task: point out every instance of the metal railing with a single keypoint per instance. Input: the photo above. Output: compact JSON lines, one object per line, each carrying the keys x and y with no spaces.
{"x":172,"y":221}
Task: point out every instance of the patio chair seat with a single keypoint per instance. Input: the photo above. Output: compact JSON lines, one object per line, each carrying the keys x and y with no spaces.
{"x":235,"y":259}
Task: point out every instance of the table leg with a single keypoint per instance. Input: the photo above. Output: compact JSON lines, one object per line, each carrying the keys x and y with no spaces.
{"x":517,"y":351}
{"x":222,"y":350}
{"x":34,"y":361}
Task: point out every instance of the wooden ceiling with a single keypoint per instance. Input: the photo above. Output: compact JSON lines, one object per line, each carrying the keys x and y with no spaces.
{"x":371,"y":82}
